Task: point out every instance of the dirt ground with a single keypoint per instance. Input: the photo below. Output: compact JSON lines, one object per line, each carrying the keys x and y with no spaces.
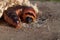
{"x":47,"y":26}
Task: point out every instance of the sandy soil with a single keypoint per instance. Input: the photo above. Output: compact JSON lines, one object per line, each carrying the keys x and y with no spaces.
{"x":47,"y":26}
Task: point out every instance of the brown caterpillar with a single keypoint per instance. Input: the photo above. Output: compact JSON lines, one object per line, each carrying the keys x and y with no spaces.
{"x":15,"y":15}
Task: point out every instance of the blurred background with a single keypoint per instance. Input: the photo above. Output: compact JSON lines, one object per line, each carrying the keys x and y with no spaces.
{"x":48,"y":0}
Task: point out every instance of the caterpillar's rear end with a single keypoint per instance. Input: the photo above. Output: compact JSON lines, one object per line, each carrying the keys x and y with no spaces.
{"x":10,"y":21}
{"x":11,"y":16}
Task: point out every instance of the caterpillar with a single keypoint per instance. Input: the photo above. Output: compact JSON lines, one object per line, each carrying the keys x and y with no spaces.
{"x":17,"y":14}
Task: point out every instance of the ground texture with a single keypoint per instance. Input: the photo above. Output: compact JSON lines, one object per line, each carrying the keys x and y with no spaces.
{"x":47,"y":26}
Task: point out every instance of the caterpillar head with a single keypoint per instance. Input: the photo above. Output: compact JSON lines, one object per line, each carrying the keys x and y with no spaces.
{"x":28,"y":15}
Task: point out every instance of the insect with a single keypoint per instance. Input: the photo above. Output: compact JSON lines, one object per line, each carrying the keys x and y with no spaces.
{"x":17,"y":14}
